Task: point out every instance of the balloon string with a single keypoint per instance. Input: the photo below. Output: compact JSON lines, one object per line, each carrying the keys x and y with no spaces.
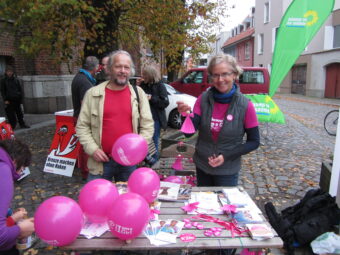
{"x":232,"y":226}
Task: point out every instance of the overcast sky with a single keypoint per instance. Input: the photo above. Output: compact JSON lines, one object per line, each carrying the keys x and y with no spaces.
{"x":238,"y":13}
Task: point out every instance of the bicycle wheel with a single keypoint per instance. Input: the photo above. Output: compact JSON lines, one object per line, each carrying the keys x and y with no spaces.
{"x":331,"y":122}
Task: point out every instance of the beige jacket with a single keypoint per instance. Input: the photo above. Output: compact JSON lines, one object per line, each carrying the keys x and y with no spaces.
{"x":90,"y":121}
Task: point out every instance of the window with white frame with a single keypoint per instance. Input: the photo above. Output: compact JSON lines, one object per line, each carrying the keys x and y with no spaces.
{"x":274,"y":35}
{"x":260,"y":43}
{"x":266,"y":12}
{"x":247,"y":51}
{"x":336,"y":38}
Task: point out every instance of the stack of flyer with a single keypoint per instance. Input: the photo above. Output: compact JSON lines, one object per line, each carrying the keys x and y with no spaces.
{"x":91,"y":230}
{"x":163,"y":232}
{"x":240,"y":199}
{"x":208,"y":203}
{"x":260,"y":231}
{"x":169,"y":191}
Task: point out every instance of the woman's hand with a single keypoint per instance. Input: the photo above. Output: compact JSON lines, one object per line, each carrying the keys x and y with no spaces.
{"x":26,"y":227}
{"x":183,"y":107}
{"x":19,"y":214}
{"x":216,"y":161}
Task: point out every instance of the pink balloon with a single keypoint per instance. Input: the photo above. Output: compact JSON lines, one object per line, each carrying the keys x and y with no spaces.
{"x":174,"y":179}
{"x":96,"y":198}
{"x":128,"y":216}
{"x":58,"y":220}
{"x":129,"y":149}
{"x":145,"y":182}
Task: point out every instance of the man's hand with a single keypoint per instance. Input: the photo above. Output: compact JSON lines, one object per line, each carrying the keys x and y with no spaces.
{"x":216,"y":161}
{"x":6,"y":102}
{"x":100,"y":156}
{"x":26,"y":227}
{"x":183,"y":107}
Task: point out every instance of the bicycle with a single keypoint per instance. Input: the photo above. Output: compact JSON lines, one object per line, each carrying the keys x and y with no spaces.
{"x":330,"y":122}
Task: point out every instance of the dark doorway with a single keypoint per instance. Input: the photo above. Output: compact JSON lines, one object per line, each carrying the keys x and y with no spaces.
{"x":299,"y":79}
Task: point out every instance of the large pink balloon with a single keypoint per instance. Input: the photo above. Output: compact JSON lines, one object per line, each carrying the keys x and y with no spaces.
{"x":145,"y":182}
{"x":58,"y":220}
{"x":129,"y":149}
{"x":96,"y":198}
{"x":174,"y":179}
{"x":128,"y":216}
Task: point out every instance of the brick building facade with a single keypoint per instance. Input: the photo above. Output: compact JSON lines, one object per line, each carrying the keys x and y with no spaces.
{"x":46,"y":84}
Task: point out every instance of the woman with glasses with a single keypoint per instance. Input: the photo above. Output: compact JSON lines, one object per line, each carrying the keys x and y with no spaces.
{"x":222,"y":115}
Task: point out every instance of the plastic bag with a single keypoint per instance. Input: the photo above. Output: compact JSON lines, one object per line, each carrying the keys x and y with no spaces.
{"x":328,"y":242}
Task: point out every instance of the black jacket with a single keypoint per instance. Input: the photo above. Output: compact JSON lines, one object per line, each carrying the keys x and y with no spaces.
{"x":158,"y":102}
{"x":80,"y":84}
{"x":11,"y":89}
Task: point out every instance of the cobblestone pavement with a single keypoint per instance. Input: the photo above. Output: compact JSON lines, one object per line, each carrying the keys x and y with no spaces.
{"x":285,"y":166}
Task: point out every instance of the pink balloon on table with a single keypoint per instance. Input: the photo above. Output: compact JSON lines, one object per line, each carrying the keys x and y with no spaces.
{"x":188,"y":126}
{"x":58,"y":220}
{"x":145,"y":182}
{"x":96,"y":198}
{"x":129,"y":149}
{"x":128,"y":216}
{"x":174,"y":179}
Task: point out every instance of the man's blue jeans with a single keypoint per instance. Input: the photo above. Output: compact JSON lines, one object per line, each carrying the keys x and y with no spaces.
{"x":114,"y":170}
{"x":204,"y":179}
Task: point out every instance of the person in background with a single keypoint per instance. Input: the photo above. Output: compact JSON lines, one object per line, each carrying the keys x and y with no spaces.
{"x":12,"y":95}
{"x":110,"y":110}
{"x":14,"y":156}
{"x":83,"y":81}
{"x":222,"y":115}
{"x":158,"y":99}
{"x":103,"y":75}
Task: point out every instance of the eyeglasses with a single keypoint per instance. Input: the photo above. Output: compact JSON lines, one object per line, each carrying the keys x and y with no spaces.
{"x":222,"y":75}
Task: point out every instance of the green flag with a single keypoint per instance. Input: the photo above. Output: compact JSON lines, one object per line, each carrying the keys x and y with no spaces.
{"x":266,"y":109}
{"x":300,"y":23}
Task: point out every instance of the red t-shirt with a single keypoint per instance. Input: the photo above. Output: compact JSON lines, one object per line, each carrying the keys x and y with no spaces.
{"x":117,"y":117}
{"x":219,"y":113}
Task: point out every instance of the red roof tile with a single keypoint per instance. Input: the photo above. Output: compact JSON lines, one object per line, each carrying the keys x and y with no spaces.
{"x":239,"y":37}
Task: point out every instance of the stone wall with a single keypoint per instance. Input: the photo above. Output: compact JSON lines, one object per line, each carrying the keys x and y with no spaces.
{"x":47,"y":93}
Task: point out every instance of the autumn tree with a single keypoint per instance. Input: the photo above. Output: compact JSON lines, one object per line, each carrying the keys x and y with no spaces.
{"x":99,"y":26}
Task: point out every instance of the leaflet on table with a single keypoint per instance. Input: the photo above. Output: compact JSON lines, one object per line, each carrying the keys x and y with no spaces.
{"x":174,"y":192}
{"x":162,"y":232}
{"x":247,"y":215}
{"x":208,"y":203}
{"x":260,"y":231}
{"x":91,"y":230}
{"x":240,"y":199}
{"x":155,"y":207}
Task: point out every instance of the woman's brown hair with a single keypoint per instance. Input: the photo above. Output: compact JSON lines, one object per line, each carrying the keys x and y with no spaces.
{"x":18,"y":151}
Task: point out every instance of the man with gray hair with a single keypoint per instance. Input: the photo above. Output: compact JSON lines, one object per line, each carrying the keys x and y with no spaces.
{"x":83,"y":81}
{"x":110,"y":110}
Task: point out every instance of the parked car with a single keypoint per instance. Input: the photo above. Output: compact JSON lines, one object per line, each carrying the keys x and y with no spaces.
{"x":254,"y":80}
{"x":173,"y":117}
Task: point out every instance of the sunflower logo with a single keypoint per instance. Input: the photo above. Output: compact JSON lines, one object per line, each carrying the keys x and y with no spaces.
{"x":314,"y":17}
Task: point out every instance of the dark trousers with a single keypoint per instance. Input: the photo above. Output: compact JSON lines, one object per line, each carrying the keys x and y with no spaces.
{"x":208,"y":180}
{"x":14,"y":114}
